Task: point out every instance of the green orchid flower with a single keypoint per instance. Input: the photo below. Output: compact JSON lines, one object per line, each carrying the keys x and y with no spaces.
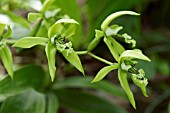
{"x":126,"y":65}
{"x":125,"y":58}
{"x":58,"y":33}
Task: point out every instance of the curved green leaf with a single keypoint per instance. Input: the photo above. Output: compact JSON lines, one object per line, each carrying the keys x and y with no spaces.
{"x":30,"y":101}
{"x":112,"y":49}
{"x":133,"y":54}
{"x":74,"y":60}
{"x":28,"y":42}
{"x":122,"y":76}
{"x":113,"y":16}
{"x":99,"y":34}
{"x":103,"y":72}
{"x":6,"y":57}
{"x":50,"y":53}
{"x":64,"y":27}
{"x":32,"y":17}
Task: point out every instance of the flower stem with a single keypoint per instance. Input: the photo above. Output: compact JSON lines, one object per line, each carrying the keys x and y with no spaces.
{"x":94,"y":56}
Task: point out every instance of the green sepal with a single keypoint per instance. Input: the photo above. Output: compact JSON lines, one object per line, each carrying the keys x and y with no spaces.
{"x":99,"y":34}
{"x":6,"y":57}
{"x":103,"y":72}
{"x":118,"y":47}
{"x":73,"y":59}
{"x":32,"y":17}
{"x":51,"y":53}
{"x":113,"y":16}
{"x":111,"y":48}
{"x":133,"y":54}
{"x":113,"y":30}
{"x":122,"y":76}
{"x":28,"y":42}
{"x":65,"y":27}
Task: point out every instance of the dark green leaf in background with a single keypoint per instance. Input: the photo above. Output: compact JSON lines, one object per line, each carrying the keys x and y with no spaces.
{"x":84,"y":82}
{"x":31,"y":76}
{"x":52,"y":103}
{"x":30,"y":101}
{"x":83,"y":102}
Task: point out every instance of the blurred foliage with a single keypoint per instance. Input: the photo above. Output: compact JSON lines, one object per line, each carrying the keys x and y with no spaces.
{"x":76,"y":94}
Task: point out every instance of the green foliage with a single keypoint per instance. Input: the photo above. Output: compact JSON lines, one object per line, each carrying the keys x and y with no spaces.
{"x":56,"y":32}
{"x":28,"y":42}
{"x":35,"y":103}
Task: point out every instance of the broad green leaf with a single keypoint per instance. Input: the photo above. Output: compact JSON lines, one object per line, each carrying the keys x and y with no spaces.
{"x":133,"y":54}
{"x":99,"y":34}
{"x":73,"y":58}
{"x":113,"y":30}
{"x":113,"y":16}
{"x":6,"y":57}
{"x":30,"y":101}
{"x":122,"y":76}
{"x":118,"y":47}
{"x":83,"y":102}
{"x":112,"y":49}
{"x":28,"y":42}
{"x":2,"y":27}
{"x":52,"y":103}
{"x":50,"y":53}
{"x":30,"y":76}
{"x":15,"y":18}
{"x":32,"y":17}
{"x":81,"y":82}
{"x":104,"y":71}
{"x":64,"y":27}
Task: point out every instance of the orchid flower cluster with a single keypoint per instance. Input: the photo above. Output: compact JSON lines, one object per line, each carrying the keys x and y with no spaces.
{"x":58,"y":40}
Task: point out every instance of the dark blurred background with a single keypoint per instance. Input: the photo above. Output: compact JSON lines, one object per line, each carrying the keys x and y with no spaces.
{"x":151,"y":30}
